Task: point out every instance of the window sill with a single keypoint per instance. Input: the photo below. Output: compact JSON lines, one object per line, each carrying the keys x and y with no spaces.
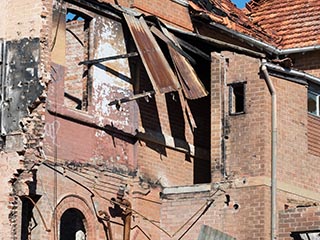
{"x":314,"y":115}
{"x":237,"y":113}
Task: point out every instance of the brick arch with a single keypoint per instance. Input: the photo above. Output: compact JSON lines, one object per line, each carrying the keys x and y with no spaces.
{"x":77,"y":202}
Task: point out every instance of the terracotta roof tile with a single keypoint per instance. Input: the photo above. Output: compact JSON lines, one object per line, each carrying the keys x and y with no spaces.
{"x":295,"y":21}
{"x":226,"y":13}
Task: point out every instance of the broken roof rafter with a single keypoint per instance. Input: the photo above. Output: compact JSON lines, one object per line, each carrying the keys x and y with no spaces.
{"x":99,"y":60}
{"x":164,"y":38}
{"x":158,"y":69}
{"x":217,"y":43}
{"x":193,"y":49}
{"x":192,"y":86}
{"x":100,"y":7}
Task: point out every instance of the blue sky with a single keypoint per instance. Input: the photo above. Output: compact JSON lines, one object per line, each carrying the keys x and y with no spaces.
{"x":240,"y":3}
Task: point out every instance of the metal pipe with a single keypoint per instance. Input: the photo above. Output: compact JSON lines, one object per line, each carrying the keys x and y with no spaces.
{"x":39,"y":212}
{"x":106,"y":217}
{"x":292,"y":72}
{"x":3,"y":84}
{"x":273,"y":152}
{"x":126,"y":216}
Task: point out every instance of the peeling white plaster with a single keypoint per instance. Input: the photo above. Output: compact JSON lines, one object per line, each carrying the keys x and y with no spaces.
{"x":109,"y":86}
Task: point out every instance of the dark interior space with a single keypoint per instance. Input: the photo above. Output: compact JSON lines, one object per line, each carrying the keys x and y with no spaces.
{"x":72,"y":225}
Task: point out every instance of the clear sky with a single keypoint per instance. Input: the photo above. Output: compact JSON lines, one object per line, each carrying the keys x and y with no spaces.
{"x":240,"y":3}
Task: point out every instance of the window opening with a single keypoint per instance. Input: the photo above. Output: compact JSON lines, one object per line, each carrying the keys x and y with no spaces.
{"x":237,"y":98}
{"x":314,"y":99}
{"x":306,"y":235}
{"x":72,"y":225}
{"x":76,"y":84}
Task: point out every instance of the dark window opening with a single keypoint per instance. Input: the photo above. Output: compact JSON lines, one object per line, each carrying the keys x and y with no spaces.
{"x":237,"y":98}
{"x":200,"y":111}
{"x":76,"y":82}
{"x":28,"y":222}
{"x":72,"y":225}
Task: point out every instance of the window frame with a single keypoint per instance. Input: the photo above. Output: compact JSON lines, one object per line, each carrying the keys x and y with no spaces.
{"x":232,"y":103}
{"x":314,"y":89}
{"x":87,"y":18}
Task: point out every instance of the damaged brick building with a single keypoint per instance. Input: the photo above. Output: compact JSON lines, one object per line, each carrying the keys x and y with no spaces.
{"x":160,"y":119}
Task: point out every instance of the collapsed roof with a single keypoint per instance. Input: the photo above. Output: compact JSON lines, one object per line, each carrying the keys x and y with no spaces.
{"x":282,"y":24}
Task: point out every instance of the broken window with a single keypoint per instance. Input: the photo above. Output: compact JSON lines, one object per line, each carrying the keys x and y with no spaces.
{"x":76,"y":81}
{"x":313,"y":99}
{"x":237,"y":98}
{"x":72,"y":225}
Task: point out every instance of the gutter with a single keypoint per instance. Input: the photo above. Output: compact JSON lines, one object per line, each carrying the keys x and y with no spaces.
{"x":273,"y":151}
{"x":262,"y":45}
{"x":293,"y":73}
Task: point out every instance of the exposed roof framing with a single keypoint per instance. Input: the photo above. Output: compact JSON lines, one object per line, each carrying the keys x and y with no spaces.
{"x":162,"y":77}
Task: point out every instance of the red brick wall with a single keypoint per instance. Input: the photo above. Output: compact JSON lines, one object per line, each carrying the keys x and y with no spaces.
{"x":298,"y":219}
{"x":76,"y":49}
{"x":308,"y":62}
{"x":292,"y":130}
{"x":21,"y":20}
{"x":167,"y":10}
{"x":248,"y":143}
{"x":250,"y":221}
{"x":313,"y":135}
{"x":26,"y":21}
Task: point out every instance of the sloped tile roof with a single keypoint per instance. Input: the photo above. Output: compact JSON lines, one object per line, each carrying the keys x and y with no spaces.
{"x":224,"y":12}
{"x":297,"y":22}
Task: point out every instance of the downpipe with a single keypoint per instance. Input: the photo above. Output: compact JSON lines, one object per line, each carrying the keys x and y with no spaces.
{"x":273,"y":152}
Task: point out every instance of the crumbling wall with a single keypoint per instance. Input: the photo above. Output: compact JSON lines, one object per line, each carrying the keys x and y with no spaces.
{"x":98,"y":134}
{"x":22,"y":115}
{"x":94,"y":148}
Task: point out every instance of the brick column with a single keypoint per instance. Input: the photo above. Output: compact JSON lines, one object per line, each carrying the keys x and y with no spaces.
{"x":217,"y":102}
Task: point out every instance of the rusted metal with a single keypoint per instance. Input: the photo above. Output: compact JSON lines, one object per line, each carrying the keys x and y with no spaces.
{"x":106,"y":217}
{"x":146,"y":95}
{"x":99,"y":60}
{"x":40,"y":214}
{"x":127,"y":214}
{"x":191,"y":84}
{"x":157,"y":67}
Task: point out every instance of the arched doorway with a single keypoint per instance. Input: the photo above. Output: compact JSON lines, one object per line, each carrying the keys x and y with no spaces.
{"x":72,"y":225}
